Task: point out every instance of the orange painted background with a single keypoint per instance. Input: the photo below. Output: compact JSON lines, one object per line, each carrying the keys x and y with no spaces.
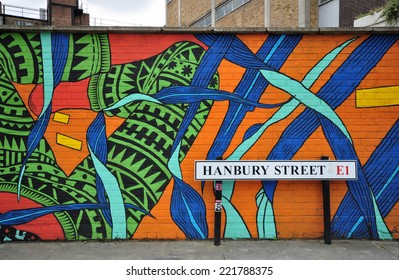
{"x":298,"y":205}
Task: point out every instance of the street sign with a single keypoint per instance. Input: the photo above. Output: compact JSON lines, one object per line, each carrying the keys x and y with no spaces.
{"x":275,"y":170}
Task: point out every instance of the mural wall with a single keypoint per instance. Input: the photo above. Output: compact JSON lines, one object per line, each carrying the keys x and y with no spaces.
{"x":99,"y":133}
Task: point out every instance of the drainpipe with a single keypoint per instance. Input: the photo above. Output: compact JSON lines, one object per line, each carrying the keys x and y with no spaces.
{"x":267,"y":13}
{"x":178,"y":14}
{"x":213,"y":12}
{"x":166,"y":12}
{"x":303,"y":13}
{"x":49,"y":13}
{"x":2,"y":11}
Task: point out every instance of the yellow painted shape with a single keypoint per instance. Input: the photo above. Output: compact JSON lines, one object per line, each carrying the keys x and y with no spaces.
{"x":65,"y":140}
{"x":377,"y":97}
{"x":61,"y":118}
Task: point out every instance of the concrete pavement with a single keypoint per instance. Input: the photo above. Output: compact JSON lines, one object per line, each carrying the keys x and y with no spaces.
{"x":201,"y":250}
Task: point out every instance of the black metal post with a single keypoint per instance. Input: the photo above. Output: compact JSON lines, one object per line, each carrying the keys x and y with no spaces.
{"x":326,"y":209}
{"x":218,"y":211}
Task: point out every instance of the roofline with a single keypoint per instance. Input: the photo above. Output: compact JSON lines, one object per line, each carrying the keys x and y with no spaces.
{"x":177,"y":30}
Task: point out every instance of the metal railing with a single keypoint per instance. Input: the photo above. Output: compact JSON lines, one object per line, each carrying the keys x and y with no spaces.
{"x":108,"y":22}
{"x":41,"y":14}
{"x":19,"y":11}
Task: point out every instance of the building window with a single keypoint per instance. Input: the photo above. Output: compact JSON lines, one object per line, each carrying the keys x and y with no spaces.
{"x":23,"y":23}
{"x":229,"y":7}
{"x":237,"y":3}
{"x":221,"y":11}
{"x":321,"y":2}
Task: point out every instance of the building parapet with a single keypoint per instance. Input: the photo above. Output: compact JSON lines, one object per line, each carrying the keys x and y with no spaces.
{"x":173,"y":30}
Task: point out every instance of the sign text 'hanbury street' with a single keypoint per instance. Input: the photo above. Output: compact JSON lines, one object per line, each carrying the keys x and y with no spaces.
{"x":275,"y":170}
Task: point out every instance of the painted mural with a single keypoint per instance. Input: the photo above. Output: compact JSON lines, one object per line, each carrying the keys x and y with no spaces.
{"x":99,"y":133}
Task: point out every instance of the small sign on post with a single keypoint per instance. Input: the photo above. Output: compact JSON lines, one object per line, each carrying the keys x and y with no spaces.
{"x":218,"y":210}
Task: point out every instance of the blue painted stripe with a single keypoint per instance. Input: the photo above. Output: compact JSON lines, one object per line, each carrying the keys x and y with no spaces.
{"x":41,"y":124}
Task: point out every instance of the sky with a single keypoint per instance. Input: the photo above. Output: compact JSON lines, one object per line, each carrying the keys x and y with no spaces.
{"x":112,"y":12}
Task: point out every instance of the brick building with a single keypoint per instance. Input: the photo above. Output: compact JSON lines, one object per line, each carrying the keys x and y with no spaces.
{"x":268,"y":13}
{"x":242,"y":13}
{"x":58,"y":13}
{"x":350,"y":10}
{"x":66,"y":13}
{"x":342,"y":13}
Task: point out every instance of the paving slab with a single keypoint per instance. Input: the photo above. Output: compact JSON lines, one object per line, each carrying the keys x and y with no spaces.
{"x":201,"y":250}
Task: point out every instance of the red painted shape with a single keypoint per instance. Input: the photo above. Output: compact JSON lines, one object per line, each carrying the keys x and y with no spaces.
{"x":132,"y":47}
{"x":67,"y":95}
{"x":46,"y":227}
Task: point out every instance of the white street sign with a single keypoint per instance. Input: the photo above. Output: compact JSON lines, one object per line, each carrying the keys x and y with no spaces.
{"x":275,"y":170}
